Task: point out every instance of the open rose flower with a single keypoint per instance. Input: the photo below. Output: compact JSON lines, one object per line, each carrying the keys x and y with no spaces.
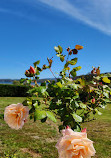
{"x":75,"y":145}
{"x":15,"y":115}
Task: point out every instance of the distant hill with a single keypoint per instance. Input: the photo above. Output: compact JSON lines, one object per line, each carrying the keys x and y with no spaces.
{"x":45,"y":79}
{"x":39,"y":81}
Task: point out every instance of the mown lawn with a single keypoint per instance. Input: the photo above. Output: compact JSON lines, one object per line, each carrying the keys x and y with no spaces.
{"x":39,"y":139}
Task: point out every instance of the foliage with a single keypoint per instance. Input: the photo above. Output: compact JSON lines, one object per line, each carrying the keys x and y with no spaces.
{"x":7,"y":90}
{"x":15,"y":82}
{"x":72,"y":101}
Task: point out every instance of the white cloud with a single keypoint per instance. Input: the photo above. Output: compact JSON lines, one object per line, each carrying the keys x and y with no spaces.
{"x":96,"y":13}
{"x":18,"y":13}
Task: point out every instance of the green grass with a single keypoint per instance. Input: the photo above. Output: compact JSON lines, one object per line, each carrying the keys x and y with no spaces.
{"x":39,"y":139}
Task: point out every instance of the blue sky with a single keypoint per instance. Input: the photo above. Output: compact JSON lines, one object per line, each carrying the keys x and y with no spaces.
{"x":29,"y":30}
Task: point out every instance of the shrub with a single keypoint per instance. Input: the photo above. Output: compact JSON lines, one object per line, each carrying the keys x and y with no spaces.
{"x":13,"y":90}
{"x":73,"y":101}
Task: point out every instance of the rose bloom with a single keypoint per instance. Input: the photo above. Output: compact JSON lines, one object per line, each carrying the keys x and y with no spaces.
{"x":75,"y":145}
{"x":15,"y":115}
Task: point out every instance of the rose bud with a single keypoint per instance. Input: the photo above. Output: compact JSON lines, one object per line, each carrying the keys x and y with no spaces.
{"x":98,"y":71}
{"x":68,"y":49}
{"x":84,"y":130}
{"x":50,"y":62}
{"x":93,"y":71}
{"x":93,"y":101}
{"x":67,"y":127}
{"x":27,"y":73}
{"x":75,"y":51}
{"x":32,"y":70}
{"x":101,"y":83}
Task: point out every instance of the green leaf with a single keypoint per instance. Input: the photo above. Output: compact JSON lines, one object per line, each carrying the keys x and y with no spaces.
{"x":98,"y":112}
{"x":29,"y":81}
{"x":61,"y":127}
{"x":22,"y":80}
{"x":44,"y":120}
{"x":51,"y":116}
{"x":73,"y":61}
{"x":77,"y":129}
{"x":76,"y":117}
{"x":25,"y":103}
{"x":62,"y":58}
{"x":37,"y":72}
{"x":77,"y":68}
{"x":73,"y":73}
{"x":83,"y":106}
{"x":57,"y":49}
{"x":35,"y":104}
{"x":106,"y":94}
{"x":76,"y":104}
{"x":58,"y":55}
{"x":59,"y":84}
{"x":60,"y":49}
{"x":1,"y":116}
{"x":106,"y":80}
{"x":36,"y":63}
{"x":97,"y":77}
{"x":39,"y":115}
{"x":39,"y":69}
{"x":82,"y":81}
{"x":66,"y":65}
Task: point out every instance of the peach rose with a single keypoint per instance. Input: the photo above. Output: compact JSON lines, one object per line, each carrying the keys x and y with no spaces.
{"x":75,"y":145}
{"x":15,"y":115}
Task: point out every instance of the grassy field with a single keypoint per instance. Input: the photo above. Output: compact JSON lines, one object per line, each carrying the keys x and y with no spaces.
{"x":37,"y":140}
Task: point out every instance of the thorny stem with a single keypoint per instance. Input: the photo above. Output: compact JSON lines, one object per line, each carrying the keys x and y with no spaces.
{"x":82,"y":112}
{"x":90,"y":120}
{"x":52,"y":73}
{"x":67,"y":58}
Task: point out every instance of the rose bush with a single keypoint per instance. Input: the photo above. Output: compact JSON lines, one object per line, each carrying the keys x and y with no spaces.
{"x":69,"y":98}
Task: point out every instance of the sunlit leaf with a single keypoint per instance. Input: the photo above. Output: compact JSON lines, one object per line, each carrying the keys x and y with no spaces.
{"x":98,"y":112}
{"x":73,"y":73}
{"x":67,"y":68}
{"x":36,"y":63}
{"x":66,"y":65}
{"x":62,"y":58}
{"x":59,"y":84}
{"x":60,"y":49}
{"x":82,"y":81}
{"x":106,"y":80}
{"x":73,"y":61}
{"x":82,"y":105}
{"x":40,"y":114}
{"x":51,"y":116}
{"x":77,"y":117}
{"x":77,"y":68}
